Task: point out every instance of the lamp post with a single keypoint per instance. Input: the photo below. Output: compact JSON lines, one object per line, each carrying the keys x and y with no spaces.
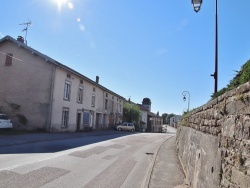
{"x":184,"y":93}
{"x":197,"y":7}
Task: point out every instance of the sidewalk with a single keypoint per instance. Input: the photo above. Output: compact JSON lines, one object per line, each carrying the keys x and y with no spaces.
{"x":167,"y":171}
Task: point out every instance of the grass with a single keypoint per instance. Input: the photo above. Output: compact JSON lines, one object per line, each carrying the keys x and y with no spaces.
{"x":240,"y":78}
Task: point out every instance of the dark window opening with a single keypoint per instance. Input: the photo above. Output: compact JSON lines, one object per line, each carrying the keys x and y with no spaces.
{"x":8,"y":61}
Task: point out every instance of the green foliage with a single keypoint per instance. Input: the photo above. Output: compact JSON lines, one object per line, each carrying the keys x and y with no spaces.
{"x":240,"y":78}
{"x":131,"y":113}
{"x":164,"y":117}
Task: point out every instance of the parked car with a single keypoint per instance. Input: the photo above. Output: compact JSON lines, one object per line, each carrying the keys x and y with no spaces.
{"x":125,"y":126}
{"x":5,"y":122}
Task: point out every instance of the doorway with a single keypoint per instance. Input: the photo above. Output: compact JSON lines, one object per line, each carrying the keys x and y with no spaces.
{"x":78,"y":121}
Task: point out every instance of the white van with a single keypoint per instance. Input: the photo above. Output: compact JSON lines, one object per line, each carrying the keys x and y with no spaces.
{"x":5,"y":122}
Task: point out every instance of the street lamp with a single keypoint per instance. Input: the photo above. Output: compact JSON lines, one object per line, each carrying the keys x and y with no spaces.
{"x":197,"y":7}
{"x":184,"y":93}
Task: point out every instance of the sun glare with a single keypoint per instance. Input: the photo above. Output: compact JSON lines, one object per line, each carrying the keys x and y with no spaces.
{"x":60,"y":3}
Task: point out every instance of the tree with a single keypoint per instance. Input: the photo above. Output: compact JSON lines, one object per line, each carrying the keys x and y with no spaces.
{"x":164,"y":117}
{"x":131,"y":113}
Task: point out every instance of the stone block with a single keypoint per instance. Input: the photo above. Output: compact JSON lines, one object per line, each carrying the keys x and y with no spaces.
{"x":243,"y":88}
{"x":240,"y":179}
{"x":234,"y":107}
{"x":228,"y":127}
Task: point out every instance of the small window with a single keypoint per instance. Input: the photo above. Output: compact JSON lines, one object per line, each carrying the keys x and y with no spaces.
{"x":66,"y":91}
{"x":93,"y":101}
{"x":68,"y":75}
{"x":106,"y":104}
{"x":81,"y":81}
{"x":106,"y":94}
{"x":8,"y":61}
{"x":112,"y":107}
{"x":80,"y":95}
{"x":113,"y":97}
{"x":93,"y":89}
{"x":65,"y":117}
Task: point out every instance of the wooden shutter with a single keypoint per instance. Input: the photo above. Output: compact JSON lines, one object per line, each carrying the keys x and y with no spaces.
{"x":8,"y":61}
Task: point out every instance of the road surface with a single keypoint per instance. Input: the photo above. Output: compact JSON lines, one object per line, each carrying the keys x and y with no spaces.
{"x":125,"y":162}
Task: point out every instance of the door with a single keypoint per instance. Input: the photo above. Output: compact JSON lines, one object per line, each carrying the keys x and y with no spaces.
{"x":97,"y":122}
{"x":78,"y":121}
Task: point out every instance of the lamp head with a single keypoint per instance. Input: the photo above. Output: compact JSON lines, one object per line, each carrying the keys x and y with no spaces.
{"x":184,"y":98}
{"x":197,"y":5}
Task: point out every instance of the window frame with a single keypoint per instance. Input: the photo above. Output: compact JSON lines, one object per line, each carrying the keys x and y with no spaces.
{"x":106,"y":104}
{"x":67,"y":90}
{"x":65,"y":117}
{"x":93,"y":100}
{"x":80,"y":95}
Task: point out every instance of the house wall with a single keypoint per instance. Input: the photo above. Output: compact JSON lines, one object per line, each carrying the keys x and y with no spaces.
{"x":74,"y":107}
{"x":27,"y":84}
{"x":32,"y":89}
{"x":99,"y":118}
{"x":144,"y":115}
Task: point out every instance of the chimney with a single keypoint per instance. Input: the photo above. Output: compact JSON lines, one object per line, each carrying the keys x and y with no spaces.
{"x":20,"y":39}
{"x":97,"y":79}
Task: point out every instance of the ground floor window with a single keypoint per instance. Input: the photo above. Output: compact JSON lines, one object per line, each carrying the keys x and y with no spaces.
{"x":65,"y":117}
{"x":86,"y":117}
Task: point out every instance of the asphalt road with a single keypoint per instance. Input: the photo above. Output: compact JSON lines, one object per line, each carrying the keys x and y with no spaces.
{"x":94,"y":161}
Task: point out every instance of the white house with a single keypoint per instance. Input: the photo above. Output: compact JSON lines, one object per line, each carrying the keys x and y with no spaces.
{"x":174,"y":120}
{"x":38,"y":92}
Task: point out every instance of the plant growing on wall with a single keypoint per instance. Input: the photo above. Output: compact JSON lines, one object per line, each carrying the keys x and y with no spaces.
{"x":240,"y":78}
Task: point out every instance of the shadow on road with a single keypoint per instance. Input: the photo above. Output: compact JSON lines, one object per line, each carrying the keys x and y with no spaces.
{"x":23,"y":144}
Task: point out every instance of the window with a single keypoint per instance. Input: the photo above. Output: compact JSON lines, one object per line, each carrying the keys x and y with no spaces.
{"x":66,"y":91}
{"x":112,"y":107}
{"x":93,"y":89}
{"x":106,"y":94}
{"x":120,"y":108}
{"x":86,"y":117}
{"x":80,"y":95}
{"x":93,"y":101}
{"x":68,"y":75}
{"x":65,"y":117}
{"x":81,"y":81}
{"x":106,"y":104}
{"x":8,"y":61}
{"x":116,"y":106}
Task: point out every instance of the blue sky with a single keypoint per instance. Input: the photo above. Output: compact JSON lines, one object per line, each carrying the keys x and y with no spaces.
{"x":138,"y":48}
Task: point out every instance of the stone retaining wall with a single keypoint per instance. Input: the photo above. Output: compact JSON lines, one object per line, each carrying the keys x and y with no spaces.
{"x":213,"y":141}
